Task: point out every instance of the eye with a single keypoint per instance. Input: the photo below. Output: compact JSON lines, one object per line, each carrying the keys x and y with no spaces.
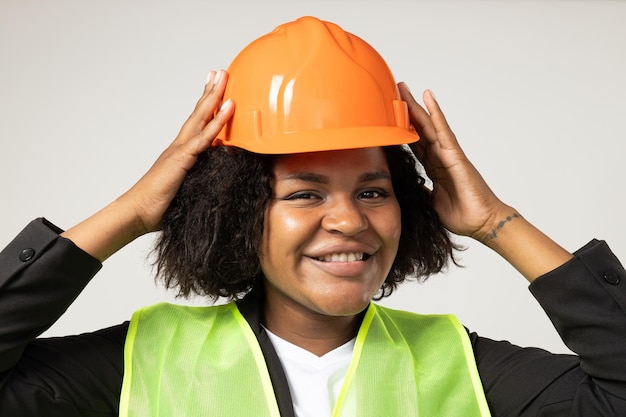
{"x":302,"y":195}
{"x":373,"y":194}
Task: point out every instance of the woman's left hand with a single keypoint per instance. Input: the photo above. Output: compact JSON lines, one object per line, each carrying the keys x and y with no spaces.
{"x":465,"y":203}
{"x":463,"y":200}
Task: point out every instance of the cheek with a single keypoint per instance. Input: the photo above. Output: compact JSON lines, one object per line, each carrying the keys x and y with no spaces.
{"x":283,"y":230}
{"x":392,"y":235}
{"x":391,"y":224}
{"x":288,"y":222}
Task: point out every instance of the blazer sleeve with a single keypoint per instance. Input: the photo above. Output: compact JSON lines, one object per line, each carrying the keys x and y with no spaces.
{"x":41,"y":274}
{"x":586,"y":300}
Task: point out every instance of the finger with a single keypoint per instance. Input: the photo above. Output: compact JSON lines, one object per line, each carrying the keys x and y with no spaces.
{"x":180,"y":157}
{"x":205,"y":108}
{"x":213,"y":93}
{"x":420,"y":119}
{"x":443,"y":132}
{"x":201,"y":142}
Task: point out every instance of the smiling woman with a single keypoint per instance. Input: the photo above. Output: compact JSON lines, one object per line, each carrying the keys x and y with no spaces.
{"x":302,"y":212}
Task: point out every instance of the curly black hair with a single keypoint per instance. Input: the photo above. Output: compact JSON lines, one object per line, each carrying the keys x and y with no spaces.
{"x":212,"y":232}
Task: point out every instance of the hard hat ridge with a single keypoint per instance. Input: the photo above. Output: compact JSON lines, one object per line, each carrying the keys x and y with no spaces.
{"x":310,"y":86}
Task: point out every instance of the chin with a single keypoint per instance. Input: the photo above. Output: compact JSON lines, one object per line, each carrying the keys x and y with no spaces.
{"x":341,"y":304}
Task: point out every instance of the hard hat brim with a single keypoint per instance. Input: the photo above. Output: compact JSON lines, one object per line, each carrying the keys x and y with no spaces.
{"x":325,"y":140}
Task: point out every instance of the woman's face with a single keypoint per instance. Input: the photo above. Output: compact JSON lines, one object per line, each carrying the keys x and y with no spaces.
{"x":331,"y":231}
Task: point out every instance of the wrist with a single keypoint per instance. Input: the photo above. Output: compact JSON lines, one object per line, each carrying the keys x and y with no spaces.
{"x":130,"y":218}
{"x":524,"y":246}
{"x":501,"y":218}
{"x":107,"y":231}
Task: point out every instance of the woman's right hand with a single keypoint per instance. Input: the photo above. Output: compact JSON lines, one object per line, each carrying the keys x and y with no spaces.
{"x":141,"y":208}
{"x":152,"y":194}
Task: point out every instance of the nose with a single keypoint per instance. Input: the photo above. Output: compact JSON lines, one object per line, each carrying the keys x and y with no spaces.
{"x":345,"y":216}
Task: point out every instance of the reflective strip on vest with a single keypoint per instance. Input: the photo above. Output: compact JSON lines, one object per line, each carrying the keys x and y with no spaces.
{"x":206,"y":361}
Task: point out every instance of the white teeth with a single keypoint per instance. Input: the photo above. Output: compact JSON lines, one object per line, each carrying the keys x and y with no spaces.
{"x":342,"y":257}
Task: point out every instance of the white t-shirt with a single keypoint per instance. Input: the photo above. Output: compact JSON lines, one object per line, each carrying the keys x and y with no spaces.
{"x":314,"y":381}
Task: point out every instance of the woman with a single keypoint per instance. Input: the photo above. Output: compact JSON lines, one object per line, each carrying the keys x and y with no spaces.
{"x":304,"y":230}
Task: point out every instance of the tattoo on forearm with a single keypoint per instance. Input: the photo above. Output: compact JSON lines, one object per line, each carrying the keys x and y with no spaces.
{"x":494,"y":232}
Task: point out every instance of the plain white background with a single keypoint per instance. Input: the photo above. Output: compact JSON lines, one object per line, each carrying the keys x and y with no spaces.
{"x":91,"y":92}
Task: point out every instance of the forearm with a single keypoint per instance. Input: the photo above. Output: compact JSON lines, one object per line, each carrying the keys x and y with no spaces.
{"x":524,"y":246}
{"x":107,"y":231}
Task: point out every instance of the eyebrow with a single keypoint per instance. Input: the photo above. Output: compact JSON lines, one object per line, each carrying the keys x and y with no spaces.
{"x":323,"y":179}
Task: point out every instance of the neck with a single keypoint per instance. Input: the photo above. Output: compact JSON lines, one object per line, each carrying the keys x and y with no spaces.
{"x":317,"y":333}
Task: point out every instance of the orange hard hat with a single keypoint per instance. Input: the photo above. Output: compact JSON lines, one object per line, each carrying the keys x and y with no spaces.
{"x":310,"y":86}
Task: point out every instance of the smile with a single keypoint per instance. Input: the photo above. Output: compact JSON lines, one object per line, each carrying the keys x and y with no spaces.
{"x":343,"y":257}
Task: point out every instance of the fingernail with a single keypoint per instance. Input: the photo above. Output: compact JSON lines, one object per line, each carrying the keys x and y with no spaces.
{"x":225,"y":104}
{"x":217,"y":77}
{"x":406,"y":86}
{"x":431,"y":94}
{"x":210,"y":76}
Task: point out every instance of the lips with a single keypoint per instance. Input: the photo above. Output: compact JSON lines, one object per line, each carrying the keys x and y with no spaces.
{"x":343,"y":257}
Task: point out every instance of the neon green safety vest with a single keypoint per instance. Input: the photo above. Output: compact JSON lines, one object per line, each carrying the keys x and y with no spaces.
{"x":206,"y":361}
